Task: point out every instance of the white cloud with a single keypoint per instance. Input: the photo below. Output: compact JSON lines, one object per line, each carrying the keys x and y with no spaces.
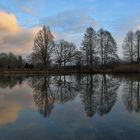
{"x":13,"y":37}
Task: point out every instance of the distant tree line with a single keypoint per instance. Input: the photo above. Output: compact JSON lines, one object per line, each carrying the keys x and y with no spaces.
{"x":11,"y":61}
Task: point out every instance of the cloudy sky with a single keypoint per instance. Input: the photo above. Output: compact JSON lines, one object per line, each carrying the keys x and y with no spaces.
{"x":21,"y":19}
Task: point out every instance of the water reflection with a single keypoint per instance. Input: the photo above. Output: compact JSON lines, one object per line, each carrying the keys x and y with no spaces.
{"x":65,"y":89}
{"x":11,"y":81}
{"x":97,"y":92}
{"x":50,"y":90}
{"x":69,"y":101}
{"x":43,"y":96}
{"x":15,"y":96}
{"x":131,"y":96}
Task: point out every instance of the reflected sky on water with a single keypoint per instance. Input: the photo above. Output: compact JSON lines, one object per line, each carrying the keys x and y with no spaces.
{"x":70,"y":107}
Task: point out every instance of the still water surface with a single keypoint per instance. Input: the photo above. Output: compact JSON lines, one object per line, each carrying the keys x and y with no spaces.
{"x":72,"y":107}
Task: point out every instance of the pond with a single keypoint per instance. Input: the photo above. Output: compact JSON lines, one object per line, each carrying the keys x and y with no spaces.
{"x":70,"y":107}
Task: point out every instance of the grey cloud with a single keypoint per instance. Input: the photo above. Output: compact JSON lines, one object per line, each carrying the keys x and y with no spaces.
{"x":19,"y":43}
{"x":19,"y":38}
{"x":70,"y":21}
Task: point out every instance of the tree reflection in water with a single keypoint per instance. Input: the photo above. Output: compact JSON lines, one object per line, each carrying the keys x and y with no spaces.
{"x":49,"y":90}
{"x":97,"y":92}
{"x":131,"y":96}
{"x":88,"y":94}
{"x":65,"y":89}
{"x":43,"y":96}
{"x":11,"y":81}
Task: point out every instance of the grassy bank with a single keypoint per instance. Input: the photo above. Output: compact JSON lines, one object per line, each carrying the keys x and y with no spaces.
{"x":127,"y":68}
{"x":118,"y":68}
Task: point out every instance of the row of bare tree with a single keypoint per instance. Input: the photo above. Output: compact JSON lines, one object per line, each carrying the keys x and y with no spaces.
{"x":98,"y":48}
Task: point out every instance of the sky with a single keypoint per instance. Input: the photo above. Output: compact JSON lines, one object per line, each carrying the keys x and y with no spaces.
{"x":20,"y":20}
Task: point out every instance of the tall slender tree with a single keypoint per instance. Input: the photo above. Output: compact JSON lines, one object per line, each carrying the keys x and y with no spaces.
{"x":137,"y":38}
{"x":89,"y":45}
{"x":107,"y":47}
{"x":100,"y":36}
{"x":129,"y":46}
{"x":43,"y":46}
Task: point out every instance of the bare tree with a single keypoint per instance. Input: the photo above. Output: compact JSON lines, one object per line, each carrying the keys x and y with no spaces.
{"x":107,"y":47}
{"x":79,"y":59}
{"x":129,"y":47}
{"x":64,"y":52}
{"x":43,"y":46}
{"x":100,"y":34}
{"x":59,"y":51}
{"x":137,"y":39}
{"x":89,"y":44}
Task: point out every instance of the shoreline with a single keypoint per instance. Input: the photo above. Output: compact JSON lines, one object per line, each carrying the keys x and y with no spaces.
{"x":116,"y":69}
{"x":36,"y":72}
